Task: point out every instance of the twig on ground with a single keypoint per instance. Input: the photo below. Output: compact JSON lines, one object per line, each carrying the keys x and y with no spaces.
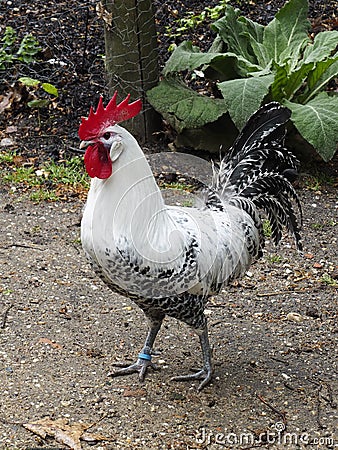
{"x":34,"y":247}
{"x":217,"y":322}
{"x":5,"y":315}
{"x":328,"y":399}
{"x":281,"y":414}
{"x":319,"y":421}
{"x":269,"y":294}
{"x":280,"y":360}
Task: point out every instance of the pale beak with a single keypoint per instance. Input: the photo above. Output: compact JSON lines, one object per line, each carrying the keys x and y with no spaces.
{"x":85,"y":144}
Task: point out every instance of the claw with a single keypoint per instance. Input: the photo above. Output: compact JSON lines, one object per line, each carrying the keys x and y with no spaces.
{"x":141,"y":366}
{"x":205,"y":375}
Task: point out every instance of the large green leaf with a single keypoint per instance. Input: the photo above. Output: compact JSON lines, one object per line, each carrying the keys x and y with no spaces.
{"x":286,"y":35}
{"x":295,"y":26}
{"x":317,"y":122}
{"x":182,"y":107}
{"x":296,"y":79}
{"x":263,"y":56}
{"x":244,"y":96}
{"x":279,"y":82}
{"x":274,"y":41}
{"x":187,"y":56}
{"x":243,"y":36}
{"x":287,"y":83}
{"x":323,"y":46}
{"x":253,"y":29}
{"x":255,"y":33}
{"x":234,"y":33}
{"x":323,"y":72}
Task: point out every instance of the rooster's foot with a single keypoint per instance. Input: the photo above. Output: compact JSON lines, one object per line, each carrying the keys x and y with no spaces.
{"x":141,"y":366}
{"x":205,"y":375}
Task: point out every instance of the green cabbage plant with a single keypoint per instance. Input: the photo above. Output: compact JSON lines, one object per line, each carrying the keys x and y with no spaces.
{"x":253,"y":64}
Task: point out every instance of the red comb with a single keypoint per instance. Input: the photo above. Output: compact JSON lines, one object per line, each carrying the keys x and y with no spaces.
{"x":97,"y":121}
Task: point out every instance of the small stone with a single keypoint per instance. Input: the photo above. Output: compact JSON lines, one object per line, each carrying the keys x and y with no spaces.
{"x":6,"y":142}
{"x":285,"y":376}
{"x":294,"y":317}
{"x":65,"y":403}
{"x":11,"y":129}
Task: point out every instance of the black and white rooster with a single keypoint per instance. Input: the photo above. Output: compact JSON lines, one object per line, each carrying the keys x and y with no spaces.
{"x":168,"y":259}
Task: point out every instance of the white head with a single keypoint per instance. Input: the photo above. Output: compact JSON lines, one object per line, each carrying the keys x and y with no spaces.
{"x":102,"y":136}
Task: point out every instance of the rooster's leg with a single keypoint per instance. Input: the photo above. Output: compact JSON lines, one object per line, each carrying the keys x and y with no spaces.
{"x":144,"y":358}
{"x":206,"y":373}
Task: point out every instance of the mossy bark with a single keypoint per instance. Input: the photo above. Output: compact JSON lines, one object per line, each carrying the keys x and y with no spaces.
{"x":132,"y":58}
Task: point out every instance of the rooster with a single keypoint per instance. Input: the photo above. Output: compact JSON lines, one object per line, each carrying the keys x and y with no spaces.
{"x":169,"y":260}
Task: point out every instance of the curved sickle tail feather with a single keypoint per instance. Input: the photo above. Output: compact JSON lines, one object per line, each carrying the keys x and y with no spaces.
{"x":259,"y":170}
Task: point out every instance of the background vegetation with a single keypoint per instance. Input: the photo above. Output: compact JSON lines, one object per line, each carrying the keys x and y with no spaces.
{"x":249,"y":64}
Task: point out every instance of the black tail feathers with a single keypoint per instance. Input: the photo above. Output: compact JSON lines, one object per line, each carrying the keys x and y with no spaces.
{"x":260,"y":169}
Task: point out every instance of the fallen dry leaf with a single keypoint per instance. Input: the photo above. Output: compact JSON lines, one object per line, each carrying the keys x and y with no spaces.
{"x":18,"y":160}
{"x":134,"y":393}
{"x":94,"y":437}
{"x":5,"y":102}
{"x":69,"y":435}
{"x":49,"y":342}
{"x":46,"y":426}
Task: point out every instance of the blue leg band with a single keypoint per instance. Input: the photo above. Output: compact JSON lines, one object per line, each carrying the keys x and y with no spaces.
{"x":144,"y":356}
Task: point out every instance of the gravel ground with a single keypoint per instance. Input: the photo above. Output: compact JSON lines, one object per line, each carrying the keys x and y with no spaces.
{"x":274,"y":336}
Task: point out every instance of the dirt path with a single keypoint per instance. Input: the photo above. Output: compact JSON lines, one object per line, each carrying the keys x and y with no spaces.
{"x":61,"y":329}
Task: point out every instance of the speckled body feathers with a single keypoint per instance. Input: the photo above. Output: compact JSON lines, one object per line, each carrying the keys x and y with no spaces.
{"x":170,"y":260}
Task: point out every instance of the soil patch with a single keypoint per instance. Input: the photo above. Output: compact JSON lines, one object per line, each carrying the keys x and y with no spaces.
{"x":274,"y":335}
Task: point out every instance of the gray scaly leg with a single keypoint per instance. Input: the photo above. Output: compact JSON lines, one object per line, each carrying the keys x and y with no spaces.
{"x":144,"y":358}
{"x":206,"y":372}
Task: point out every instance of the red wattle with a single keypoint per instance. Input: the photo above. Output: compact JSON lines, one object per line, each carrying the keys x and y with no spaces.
{"x":97,"y":161}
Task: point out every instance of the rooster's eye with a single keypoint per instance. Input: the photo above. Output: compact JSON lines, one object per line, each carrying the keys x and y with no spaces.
{"x":106,"y":135}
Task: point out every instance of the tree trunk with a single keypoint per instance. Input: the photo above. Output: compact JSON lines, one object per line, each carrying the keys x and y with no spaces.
{"x":132,"y":59}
